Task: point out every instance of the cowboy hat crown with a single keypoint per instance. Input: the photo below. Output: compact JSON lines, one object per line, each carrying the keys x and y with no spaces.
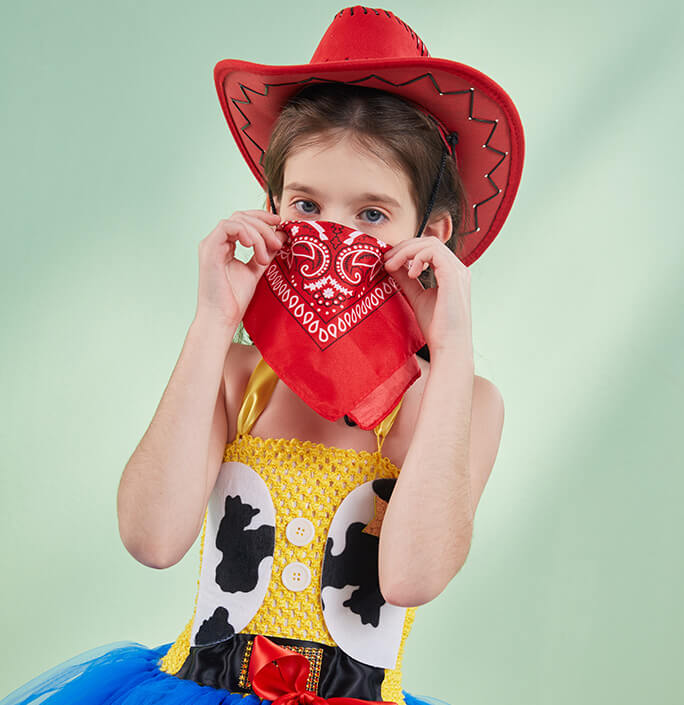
{"x":367,"y":33}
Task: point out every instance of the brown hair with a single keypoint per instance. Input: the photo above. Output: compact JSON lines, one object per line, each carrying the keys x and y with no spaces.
{"x":389,"y":127}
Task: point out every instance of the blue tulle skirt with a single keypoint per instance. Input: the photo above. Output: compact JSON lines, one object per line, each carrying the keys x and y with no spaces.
{"x":128,"y":673}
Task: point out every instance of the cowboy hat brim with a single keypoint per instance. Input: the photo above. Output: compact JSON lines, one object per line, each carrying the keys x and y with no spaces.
{"x":490,"y":148}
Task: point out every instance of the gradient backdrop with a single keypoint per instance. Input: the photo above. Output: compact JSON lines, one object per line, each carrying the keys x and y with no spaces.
{"x":117,"y":161}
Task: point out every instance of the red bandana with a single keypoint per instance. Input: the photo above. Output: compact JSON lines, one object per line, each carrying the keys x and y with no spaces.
{"x":333,"y":324}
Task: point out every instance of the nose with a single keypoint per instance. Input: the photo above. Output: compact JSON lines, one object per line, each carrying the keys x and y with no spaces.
{"x":337,"y":215}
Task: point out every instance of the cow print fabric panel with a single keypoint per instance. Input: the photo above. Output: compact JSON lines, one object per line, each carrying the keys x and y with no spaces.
{"x":358,"y":618}
{"x":243,"y":549}
{"x":237,"y":557}
{"x":216,"y":628}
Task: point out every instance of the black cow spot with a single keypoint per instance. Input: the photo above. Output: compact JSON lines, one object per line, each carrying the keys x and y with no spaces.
{"x":383,"y":487}
{"x":216,"y":628}
{"x":243,"y":549}
{"x":356,"y":565}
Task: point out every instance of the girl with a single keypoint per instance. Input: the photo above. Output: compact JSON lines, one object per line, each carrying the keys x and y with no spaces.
{"x":318,"y":538}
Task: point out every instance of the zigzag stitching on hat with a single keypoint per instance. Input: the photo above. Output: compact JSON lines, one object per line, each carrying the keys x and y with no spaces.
{"x":419,"y":42}
{"x":494,"y":123}
{"x":248,"y":101}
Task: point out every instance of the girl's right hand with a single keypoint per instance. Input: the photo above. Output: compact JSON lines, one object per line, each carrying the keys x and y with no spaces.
{"x":226,"y":284}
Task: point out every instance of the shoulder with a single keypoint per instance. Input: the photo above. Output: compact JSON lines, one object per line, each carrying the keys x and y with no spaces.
{"x":488,"y":393}
{"x":487,"y":409}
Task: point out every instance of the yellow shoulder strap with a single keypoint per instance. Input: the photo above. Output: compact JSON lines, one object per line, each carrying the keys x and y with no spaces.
{"x":383,"y":428}
{"x":259,"y":389}
{"x":257,"y":393}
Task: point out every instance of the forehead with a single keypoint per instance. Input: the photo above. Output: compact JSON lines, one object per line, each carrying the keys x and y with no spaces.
{"x":344,"y":162}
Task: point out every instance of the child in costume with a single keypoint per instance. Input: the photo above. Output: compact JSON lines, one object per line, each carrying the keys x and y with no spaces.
{"x":315,"y":556}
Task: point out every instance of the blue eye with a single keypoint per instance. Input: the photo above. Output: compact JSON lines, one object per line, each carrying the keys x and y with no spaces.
{"x":374,"y":215}
{"x":303,"y":209}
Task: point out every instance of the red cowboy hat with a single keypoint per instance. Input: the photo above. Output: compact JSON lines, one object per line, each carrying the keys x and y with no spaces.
{"x":372,"y":47}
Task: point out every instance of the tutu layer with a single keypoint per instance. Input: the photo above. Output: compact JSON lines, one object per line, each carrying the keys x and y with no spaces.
{"x":127,"y":673}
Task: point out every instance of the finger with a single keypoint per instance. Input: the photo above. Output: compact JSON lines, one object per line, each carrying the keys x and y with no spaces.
{"x":230,"y":230}
{"x":424,"y":257}
{"x":407,"y":248}
{"x":256,"y":236}
{"x":406,"y":259}
{"x":420,"y":262}
{"x":237,"y":230}
{"x":266,"y":216}
{"x":258,"y":243}
{"x":411,"y":288}
{"x":257,"y":267}
{"x":273,"y":240}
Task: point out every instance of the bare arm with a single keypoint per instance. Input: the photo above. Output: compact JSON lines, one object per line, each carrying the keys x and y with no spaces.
{"x":164,"y":487}
{"x":427,"y":528}
{"x":166,"y":483}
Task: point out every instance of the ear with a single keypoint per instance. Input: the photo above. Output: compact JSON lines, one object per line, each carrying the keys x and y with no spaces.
{"x":440,"y":226}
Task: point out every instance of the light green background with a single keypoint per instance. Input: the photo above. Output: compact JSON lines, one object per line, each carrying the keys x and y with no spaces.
{"x":117,"y":161}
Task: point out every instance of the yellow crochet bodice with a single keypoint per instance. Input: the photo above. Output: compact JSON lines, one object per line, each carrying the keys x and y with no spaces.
{"x":304,"y":479}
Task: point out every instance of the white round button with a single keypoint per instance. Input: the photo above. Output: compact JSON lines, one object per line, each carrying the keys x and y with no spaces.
{"x":296,"y":576}
{"x":299,"y":531}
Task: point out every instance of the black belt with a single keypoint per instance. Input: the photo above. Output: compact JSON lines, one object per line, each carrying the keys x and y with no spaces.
{"x":332,"y":673}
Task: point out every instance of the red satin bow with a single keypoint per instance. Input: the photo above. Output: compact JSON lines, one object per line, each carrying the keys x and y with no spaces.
{"x":280,"y":675}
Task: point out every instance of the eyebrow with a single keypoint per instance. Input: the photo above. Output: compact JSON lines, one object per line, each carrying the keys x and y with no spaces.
{"x":377,"y":197}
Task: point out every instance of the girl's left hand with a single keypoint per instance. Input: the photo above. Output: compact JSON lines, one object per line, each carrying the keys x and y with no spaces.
{"x":443,"y":312}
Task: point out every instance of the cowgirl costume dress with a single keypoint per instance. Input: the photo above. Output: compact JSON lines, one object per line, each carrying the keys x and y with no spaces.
{"x":288,"y":603}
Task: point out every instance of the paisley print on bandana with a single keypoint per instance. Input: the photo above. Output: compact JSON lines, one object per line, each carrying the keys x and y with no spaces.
{"x":333,"y":324}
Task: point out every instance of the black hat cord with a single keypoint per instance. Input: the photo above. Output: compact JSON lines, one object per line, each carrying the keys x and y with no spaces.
{"x":270,"y":198}
{"x":452,"y":139}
